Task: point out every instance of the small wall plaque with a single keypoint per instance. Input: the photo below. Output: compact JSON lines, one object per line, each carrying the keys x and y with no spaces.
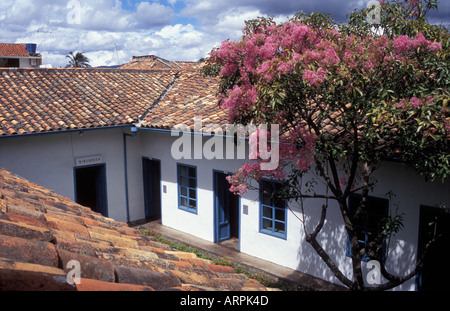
{"x":91,"y":160}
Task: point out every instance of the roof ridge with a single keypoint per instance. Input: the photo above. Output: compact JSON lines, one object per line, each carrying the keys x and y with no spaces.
{"x":15,"y":69}
{"x":161,"y":97}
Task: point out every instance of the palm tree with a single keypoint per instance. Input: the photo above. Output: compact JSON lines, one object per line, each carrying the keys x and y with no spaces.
{"x":78,"y":60}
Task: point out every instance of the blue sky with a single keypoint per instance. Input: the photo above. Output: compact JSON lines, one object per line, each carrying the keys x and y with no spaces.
{"x":132,"y":4}
{"x":111,"y":32}
{"x":177,"y":7}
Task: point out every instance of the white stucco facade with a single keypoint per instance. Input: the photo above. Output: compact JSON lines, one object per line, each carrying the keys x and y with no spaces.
{"x":50,"y":160}
{"x":410,"y":192}
{"x":201,"y":224}
{"x":23,"y":62}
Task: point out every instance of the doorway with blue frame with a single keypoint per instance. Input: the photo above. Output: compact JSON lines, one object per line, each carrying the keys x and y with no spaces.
{"x":152,"y":188}
{"x":226,"y":211}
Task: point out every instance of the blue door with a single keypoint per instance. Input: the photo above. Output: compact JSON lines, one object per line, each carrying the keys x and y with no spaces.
{"x":226,"y":209}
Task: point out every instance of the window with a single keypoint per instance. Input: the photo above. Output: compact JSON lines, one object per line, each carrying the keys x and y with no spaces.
{"x":272,"y":210}
{"x":187,"y":188}
{"x":369,"y":223}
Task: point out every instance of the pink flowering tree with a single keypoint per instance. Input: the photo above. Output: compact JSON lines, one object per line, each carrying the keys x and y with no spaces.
{"x":345,"y":98}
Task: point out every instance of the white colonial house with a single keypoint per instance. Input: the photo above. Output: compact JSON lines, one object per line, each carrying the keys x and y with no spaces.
{"x":104,"y":139}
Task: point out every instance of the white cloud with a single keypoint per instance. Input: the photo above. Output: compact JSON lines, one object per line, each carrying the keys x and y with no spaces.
{"x":175,"y":31}
{"x":103,"y":15}
{"x":102,"y":58}
{"x":181,"y":41}
{"x":231,"y":23}
{"x":104,"y":25}
{"x":107,"y":25}
{"x":172,"y":29}
{"x":154,"y":14}
{"x":96,"y":40}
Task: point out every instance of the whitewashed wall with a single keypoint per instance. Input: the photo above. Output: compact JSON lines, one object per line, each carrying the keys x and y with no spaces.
{"x":411,"y":191}
{"x":294,"y":252}
{"x":158,"y":146}
{"x":49,"y":161}
{"x":27,"y":63}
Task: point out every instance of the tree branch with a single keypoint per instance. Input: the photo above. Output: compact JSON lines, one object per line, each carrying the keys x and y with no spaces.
{"x":395,"y":280}
{"x":325,"y":176}
{"x":311,"y":239}
{"x":335,"y":176}
{"x":354,"y":165}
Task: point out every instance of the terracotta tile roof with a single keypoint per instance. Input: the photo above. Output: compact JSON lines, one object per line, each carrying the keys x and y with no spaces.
{"x":192,"y":95}
{"x":44,"y":100}
{"x":12,"y":49}
{"x":151,"y":62}
{"x":49,"y":100}
{"x":41,"y":233}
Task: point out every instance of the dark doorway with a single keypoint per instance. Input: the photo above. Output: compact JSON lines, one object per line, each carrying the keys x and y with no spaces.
{"x":226,"y":209}
{"x":152,"y":188}
{"x":90,"y":191}
{"x":434,"y":273}
{"x":12,"y":62}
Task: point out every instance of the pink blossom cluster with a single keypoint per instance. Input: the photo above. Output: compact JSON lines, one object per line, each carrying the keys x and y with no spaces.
{"x":414,"y":102}
{"x":302,"y":155}
{"x":239,"y":180}
{"x":294,"y":48}
{"x":412,"y":4}
{"x":312,"y":58}
{"x":299,"y":146}
{"x":239,"y":98}
{"x":314,"y":77}
{"x":404,"y":44}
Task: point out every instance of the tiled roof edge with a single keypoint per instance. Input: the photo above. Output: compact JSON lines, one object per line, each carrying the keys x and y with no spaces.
{"x":51,"y":132}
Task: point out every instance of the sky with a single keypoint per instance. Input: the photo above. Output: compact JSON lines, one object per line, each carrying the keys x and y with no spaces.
{"x":111,"y":32}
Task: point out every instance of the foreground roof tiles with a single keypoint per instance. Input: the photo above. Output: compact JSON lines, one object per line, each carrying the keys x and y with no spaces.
{"x":46,"y":100}
{"x":43,"y":234}
{"x":13,"y":49}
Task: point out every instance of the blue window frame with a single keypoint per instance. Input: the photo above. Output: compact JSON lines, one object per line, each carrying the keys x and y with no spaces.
{"x":273,"y":211}
{"x":187,"y":188}
{"x":368,"y":224}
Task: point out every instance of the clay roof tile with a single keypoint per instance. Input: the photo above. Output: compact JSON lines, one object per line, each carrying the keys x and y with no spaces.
{"x":13,"y":49}
{"x":62,"y":99}
{"x":41,"y":233}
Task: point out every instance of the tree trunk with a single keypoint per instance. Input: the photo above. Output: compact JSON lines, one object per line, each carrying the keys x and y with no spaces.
{"x":358,"y":281}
